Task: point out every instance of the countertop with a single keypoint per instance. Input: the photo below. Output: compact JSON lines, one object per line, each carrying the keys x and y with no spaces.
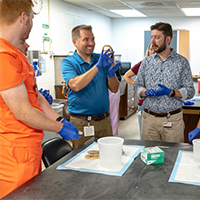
{"x":140,"y":181}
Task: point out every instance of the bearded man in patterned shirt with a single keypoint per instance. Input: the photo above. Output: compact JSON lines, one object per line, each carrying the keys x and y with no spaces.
{"x":164,"y":81}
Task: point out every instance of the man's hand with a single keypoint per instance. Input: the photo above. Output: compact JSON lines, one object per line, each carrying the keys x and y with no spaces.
{"x":163,"y":90}
{"x":113,"y":69}
{"x":69,"y":132}
{"x":188,"y":103}
{"x":67,"y":123}
{"x":193,"y":134}
{"x":104,"y":59}
{"x":47,"y":96}
{"x":150,"y":92}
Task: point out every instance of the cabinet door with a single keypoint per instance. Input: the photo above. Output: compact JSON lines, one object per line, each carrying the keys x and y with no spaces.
{"x":147,"y":40}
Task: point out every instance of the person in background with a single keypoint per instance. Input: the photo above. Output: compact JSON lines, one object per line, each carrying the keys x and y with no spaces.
{"x":114,"y":99}
{"x":195,"y":132}
{"x":163,"y":81}
{"x":24,"y":113}
{"x":23,"y":47}
{"x":89,"y":76}
{"x":128,"y":78}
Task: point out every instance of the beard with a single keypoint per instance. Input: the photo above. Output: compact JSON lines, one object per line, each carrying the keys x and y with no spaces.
{"x":161,"y":48}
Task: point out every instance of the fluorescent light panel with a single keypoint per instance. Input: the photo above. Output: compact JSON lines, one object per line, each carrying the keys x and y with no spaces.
{"x":128,"y":13}
{"x":191,"y":11}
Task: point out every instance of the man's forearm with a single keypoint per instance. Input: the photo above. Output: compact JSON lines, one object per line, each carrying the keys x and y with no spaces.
{"x":46,"y":108}
{"x":81,"y":81}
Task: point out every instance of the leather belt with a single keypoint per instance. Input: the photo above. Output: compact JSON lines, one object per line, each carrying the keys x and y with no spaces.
{"x":94,"y":117}
{"x":167,"y":114}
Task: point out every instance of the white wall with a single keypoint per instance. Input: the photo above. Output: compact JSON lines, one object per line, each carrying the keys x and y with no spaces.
{"x":129,"y":37}
{"x":63,"y":17}
{"x":126,"y":36}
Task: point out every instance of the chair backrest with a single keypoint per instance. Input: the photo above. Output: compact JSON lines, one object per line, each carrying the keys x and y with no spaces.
{"x":54,"y":149}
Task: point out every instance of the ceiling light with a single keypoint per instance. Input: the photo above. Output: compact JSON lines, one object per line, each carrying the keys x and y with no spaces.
{"x":191,"y":11}
{"x":129,"y":13}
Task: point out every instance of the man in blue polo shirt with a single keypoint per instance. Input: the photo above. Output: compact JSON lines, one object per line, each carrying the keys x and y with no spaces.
{"x":88,"y":76}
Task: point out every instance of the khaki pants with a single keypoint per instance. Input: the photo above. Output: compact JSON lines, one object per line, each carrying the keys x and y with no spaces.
{"x":153,"y":129}
{"x":101,"y":128}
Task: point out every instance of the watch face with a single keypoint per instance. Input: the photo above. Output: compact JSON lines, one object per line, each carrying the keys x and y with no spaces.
{"x":37,"y":6}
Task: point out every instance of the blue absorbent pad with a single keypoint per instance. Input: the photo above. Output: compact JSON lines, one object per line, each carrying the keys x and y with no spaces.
{"x":185,"y":170}
{"x":79,"y":163}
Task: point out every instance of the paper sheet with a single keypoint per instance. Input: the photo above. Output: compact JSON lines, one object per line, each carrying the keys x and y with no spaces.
{"x":185,"y":170}
{"x":79,"y":163}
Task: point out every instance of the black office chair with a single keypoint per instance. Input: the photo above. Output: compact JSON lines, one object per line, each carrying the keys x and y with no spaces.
{"x":54,"y":149}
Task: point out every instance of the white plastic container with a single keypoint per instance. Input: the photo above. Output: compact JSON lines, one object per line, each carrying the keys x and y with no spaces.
{"x":110,"y":149}
{"x":58,"y":108}
{"x":196,"y":150}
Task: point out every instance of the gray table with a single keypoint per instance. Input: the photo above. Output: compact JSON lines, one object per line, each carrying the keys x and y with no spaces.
{"x":140,"y":181}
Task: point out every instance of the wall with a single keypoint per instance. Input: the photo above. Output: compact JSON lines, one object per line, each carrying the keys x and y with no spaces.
{"x":125,"y":35}
{"x":129,"y":37}
{"x":62,"y":18}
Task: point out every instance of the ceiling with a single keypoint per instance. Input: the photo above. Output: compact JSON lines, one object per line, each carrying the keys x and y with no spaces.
{"x":150,"y":8}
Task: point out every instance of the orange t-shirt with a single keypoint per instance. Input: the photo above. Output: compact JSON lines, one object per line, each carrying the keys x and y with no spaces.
{"x":15,"y":68}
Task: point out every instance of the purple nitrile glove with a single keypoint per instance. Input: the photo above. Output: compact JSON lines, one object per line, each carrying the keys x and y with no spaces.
{"x":193,"y":134}
{"x":150,"y":92}
{"x":163,"y":90}
{"x":188,"y":103}
{"x":104,"y":59}
{"x":113,"y":69}
{"x":69,"y":132}
{"x":47,"y":96}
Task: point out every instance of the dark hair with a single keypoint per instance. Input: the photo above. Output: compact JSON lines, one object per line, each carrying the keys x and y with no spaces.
{"x":76,"y":30}
{"x":164,"y":27}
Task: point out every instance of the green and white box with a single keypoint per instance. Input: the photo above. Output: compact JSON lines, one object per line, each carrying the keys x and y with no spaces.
{"x":152,"y":155}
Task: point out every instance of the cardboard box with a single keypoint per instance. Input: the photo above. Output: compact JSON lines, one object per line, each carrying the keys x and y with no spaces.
{"x":152,"y":155}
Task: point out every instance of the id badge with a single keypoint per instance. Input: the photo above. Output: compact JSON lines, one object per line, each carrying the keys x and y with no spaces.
{"x":88,"y":130}
{"x":167,"y":124}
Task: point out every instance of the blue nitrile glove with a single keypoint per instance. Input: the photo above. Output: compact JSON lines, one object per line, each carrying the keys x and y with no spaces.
{"x":36,"y":68}
{"x":150,"y":92}
{"x":193,"y":134}
{"x":67,"y":123}
{"x":104,"y":59}
{"x":113,"y":69}
{"x":47,"y":96}
{"x":69,"y":132}
{"x":188,"y":103}
{"x":163,"y":90}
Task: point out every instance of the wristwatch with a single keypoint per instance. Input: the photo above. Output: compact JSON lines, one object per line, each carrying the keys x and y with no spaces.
{"x":173,"y":93}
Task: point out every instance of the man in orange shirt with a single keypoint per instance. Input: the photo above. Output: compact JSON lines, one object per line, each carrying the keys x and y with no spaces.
{"x":24,"y":113}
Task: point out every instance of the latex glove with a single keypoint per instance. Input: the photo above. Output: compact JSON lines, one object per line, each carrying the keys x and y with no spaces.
{"x":113,"y":69}
{"x":69,"y":132}
{"x":67,"y":123}
{"x":47,"y":96}
{"x":193,"y":134}
{"x":150,"y":92}
{"x":188,"y":103}
{"x":104,"y":59}
{"x":163,"y":90}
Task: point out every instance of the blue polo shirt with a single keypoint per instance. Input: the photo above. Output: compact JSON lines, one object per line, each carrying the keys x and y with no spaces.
{"x":94,"y":98}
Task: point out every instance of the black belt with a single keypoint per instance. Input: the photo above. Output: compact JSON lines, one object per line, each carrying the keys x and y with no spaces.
{"x":167,"y":114}
{"x":94,"y":117}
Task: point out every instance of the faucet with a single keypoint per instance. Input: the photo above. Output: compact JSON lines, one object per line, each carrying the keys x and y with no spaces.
{"x":46,"y":52}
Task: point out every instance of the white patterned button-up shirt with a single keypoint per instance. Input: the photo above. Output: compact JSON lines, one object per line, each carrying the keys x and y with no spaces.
{"x":174,"y":72}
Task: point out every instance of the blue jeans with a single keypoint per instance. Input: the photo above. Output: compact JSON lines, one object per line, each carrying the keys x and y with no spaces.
{"x":139,"y":114}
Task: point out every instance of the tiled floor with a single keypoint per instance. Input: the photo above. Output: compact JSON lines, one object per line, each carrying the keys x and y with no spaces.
{"x":129,"y":128}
